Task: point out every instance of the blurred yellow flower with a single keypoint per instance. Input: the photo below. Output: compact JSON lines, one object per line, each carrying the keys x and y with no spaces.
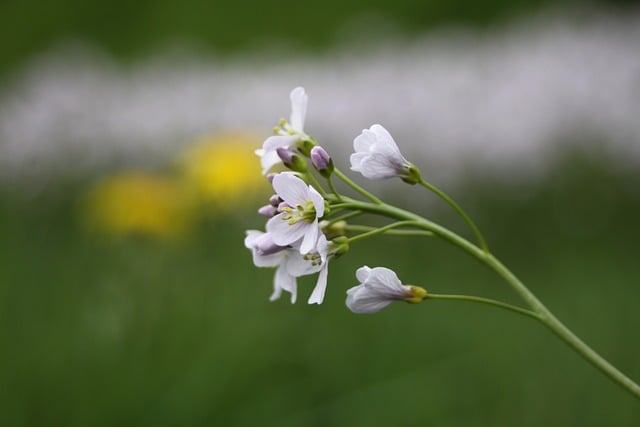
{"x":137,"y":202}
{"x":222,"y":169}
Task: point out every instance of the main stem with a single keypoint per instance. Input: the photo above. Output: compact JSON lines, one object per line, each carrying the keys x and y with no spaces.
{"x":545,"y":316}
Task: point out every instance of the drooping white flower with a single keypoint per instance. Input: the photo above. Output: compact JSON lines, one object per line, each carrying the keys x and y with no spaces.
{"x":378,"y":288}
{"x":377,"y":156}
{"x":299,"y":218}
{"x":288,"y":133}
{"x":290,"y":264}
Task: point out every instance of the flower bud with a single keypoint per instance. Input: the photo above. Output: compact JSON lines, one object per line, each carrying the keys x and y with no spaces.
{"x":270,"y":177}
{"x":268,"y":211}
{"x":322,"y":161}
{"x":275,"y":200}
{"x":266,"y":246}
{"x":292,"y":160}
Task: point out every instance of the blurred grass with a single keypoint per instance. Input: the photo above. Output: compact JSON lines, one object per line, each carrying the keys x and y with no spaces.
{"x":135,"y":332}
{"x":130,"y":29}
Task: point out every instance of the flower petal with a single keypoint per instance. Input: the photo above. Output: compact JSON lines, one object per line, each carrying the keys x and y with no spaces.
{"x":317,"y":296}
{"x":285,"y":281}
{"x":276,"y":141}
{"x":268,"y":160}
{"x":283,"y":233}
{"x":386,"y":282}
{"x":310,"y":238}
{"x":362,"y":274}
{"x":299,"y":101}
{"x":317,"y":200}
{"x":384,"y":138}
{"x":356,"y":160}
{"x":297,"y":266}
{"x":364,"y":142}
{"x":361,"y":300}
{"x":290,"y":188}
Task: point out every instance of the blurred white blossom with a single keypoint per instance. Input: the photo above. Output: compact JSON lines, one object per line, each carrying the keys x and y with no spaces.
{"x":504,"y":101}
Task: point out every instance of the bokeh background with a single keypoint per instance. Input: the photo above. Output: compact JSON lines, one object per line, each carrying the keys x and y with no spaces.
{"x":127,"y":180}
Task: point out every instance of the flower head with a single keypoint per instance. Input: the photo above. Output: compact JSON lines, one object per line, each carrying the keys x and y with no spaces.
{"x":378,"y":288}
{"x":377,"y":156}
{"x":287,"y":133}
{"x":290,"y":264}
{"x":298,"y":221}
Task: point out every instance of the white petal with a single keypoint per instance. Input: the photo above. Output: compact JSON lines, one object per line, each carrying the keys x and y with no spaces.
{"x":317,"y":296}
{"x":283,"y":233}
{"x":271,"y":260}
{"x":317,"y":200}
{"x":384,"y":138}
{"x":268,"y":160}
{"x":276,"y":141}
{"x":252,"y":237}
{"x":379,"y":166}
{"x":362,"y":274}
{"x":385,"y":283}
{"x":290,"y":188}
{"x":286,"y":282}
{"x":297,"y":266}
{"x":299,"y":101}
{"x":356,"y":160}
{"x":310,"y":237}
{"x":277,"y":292}
{"x":361,"y":300}
{"x":364,"y":142}
{"x":322,"y":246}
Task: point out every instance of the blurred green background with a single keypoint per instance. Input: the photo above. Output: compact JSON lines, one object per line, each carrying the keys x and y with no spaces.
{"x":140,"y":331}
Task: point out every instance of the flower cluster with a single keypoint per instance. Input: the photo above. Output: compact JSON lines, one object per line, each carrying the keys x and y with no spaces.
{"x":302,"y":233}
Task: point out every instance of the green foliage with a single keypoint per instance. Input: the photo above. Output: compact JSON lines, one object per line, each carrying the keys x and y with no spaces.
{"x":134,"y":332}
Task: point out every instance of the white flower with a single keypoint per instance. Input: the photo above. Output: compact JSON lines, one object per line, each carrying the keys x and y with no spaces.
{"x":290,"y":264}
{"x":378,"y":288}
{"x":377,"y":156}
{"x":299,"y":219}
{"x":322,"y":250}
{"x":288,"y":133}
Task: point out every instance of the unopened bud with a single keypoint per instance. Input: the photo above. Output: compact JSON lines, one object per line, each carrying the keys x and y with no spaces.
{"x":341,"y":245}
{"x":268,"y":211}
{"x":266,"y":246}
{"x":322,"y":161}
{"x":270,"y":177}
{"x":275,"y":200}
{"x":292,"y":160}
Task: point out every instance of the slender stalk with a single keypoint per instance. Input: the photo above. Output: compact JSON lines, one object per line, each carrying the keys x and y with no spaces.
{"x":333,"y":189}
{"x":488,"y":301}
{"x":344,"y":217}
{"x":379,"y":230}
{"x":415,"y":233}
{"x":545,"y":316}
{"x":356,"y":187}
{"x":459,"y":210}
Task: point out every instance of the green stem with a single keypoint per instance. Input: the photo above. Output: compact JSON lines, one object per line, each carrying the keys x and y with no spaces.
{"x":314,"y":182}
{"x":356,"y":187}
{"x":417,"y":233}
{"x":379,"y":230}
{"x":459,"y":210}
{"x":344,"y":217}
{"x":488,"y":301}
{"x":545,"y":316}
{"x":333,"y":188}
